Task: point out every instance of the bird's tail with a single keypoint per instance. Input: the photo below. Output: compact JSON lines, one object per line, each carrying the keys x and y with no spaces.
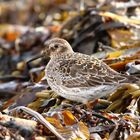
{"x":134,"y":79}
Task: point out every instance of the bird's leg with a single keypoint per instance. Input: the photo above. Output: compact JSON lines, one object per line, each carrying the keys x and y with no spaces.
{"x":91,"y":104}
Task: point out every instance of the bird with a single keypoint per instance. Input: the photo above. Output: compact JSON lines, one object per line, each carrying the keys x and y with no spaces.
{"x":76,"y":76}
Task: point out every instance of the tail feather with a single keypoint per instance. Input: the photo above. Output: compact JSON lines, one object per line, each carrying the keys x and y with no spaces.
{"x":133,"y":79}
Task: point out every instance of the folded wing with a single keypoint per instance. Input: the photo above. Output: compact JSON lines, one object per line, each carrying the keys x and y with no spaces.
{"x":87,"y":71}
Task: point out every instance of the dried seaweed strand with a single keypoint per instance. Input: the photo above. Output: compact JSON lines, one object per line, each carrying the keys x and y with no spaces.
{"x":40,"y":118}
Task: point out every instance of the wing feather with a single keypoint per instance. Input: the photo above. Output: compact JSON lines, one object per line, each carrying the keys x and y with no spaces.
{"x":86,"y":71}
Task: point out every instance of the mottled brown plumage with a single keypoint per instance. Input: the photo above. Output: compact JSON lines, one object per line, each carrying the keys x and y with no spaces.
{"x":76,"y":76}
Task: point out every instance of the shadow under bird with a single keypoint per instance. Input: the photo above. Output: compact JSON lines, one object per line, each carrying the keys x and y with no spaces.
{"x":79,"y":77}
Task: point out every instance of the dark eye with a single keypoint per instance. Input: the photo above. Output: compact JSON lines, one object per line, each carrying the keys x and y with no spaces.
{"x":56,"y":46}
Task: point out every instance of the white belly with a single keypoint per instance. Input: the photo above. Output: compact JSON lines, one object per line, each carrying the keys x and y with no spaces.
{"x":83,"y":94}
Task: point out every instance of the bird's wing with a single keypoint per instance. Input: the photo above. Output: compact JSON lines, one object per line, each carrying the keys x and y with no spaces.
{"x":87,"y":71}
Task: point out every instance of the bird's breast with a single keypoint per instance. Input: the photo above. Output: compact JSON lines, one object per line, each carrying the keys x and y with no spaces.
{"x":52,"y":73}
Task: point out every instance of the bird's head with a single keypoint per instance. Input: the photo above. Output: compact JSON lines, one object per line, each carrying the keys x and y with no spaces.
{"x":55,"y":47}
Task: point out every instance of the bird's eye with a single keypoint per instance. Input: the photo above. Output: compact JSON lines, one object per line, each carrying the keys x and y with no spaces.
{"x":56,"y":46}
